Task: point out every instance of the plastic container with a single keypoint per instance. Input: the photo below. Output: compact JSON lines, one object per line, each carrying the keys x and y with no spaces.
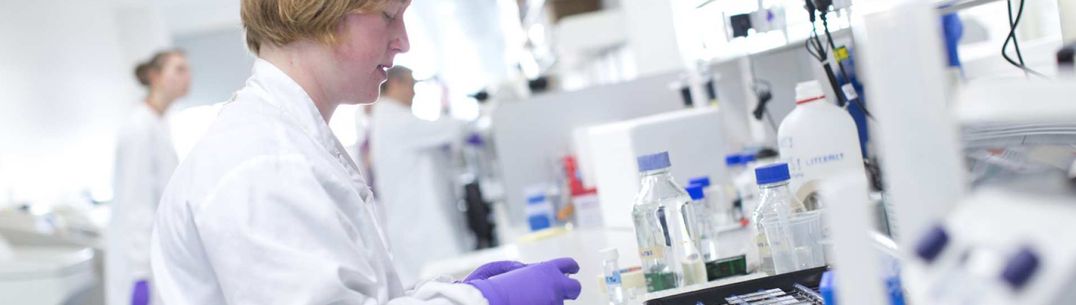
{"x":720,"y":199}
{"x":613,"y":283}
{"x":799,"y":246}
{"x":588,"y":210}
{"x":539,"y":211}
{"x":657,"y":231}
{"x":818,"y":139}
{"x":775,"y":210}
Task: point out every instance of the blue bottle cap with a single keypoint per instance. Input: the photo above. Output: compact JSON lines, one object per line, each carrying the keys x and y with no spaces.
{"x":703,"y":181}
{"x":653,"y":161}
{"x":932,"y":243}
{"x":773,"y":173}
{"x":733,"y":160}
{"x":1020,"y":267}
{"x":695,"y":190}
{"x":535,"y":199}
{"x":748,"y":158}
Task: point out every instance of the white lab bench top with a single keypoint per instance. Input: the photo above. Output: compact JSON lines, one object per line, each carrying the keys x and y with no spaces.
{"x":584,"y":245}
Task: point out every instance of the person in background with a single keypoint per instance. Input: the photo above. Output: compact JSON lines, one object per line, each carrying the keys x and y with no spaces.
{"x":411,"y":164}
{"x":145,"y":159}
{"x":362,"y":145}
{"x":268,"y":208}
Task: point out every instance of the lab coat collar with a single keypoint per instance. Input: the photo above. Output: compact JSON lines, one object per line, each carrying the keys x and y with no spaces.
{"x":284,"y":93}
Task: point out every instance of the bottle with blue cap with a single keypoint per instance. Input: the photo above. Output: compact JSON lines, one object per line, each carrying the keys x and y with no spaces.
{"x":668,"y":253}
{"x":776,"y":206}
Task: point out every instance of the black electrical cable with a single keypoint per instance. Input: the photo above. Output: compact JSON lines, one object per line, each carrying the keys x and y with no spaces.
{"x":817,"y":49}
{"x":1012,"y":31}
{"x":1013,"y":24}
{"x":832,"y":45}
{"x":844,"y":74}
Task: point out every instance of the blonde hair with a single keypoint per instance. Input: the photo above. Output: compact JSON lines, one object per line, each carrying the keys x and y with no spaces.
{"x":280,"y":22}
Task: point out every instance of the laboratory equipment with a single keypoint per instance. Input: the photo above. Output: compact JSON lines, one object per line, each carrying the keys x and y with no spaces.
{"x":1004,"y":244}
{"x":776,"y":208}
{"x":726,"y":260}
{"x":539,"y":210}
{"x":614,"y":288}
{"x":720,"y":201}
{"x":702,"y":228}
{"x":662,"y":217}
{"x":800,"y":287}
{"x":584,"y":206}
{"x":795,"y":245}
{"x":523,"y":151}
{"x":633,"y":282}
{"x":818,"y":139}
{"x":694,"y":136}
{"x":745,"y":185}
{"x":36,"y":273}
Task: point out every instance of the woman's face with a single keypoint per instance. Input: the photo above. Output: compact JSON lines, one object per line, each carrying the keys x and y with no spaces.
{"x":368,"y":43}
{"x":174,"y":78}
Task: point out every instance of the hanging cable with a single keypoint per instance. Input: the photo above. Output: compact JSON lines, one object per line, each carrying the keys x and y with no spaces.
{"x":1013,"y":24}
{"x":818,"y":50}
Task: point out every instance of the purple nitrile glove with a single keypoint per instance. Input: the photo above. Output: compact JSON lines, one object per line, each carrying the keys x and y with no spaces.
{"x":538,"y":284}
{"x":492,"y":269}
{"x":140,"y":293}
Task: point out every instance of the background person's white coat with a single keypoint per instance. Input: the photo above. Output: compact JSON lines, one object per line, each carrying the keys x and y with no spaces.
{"x":269,"y":209}
{"x":145,"y":159}
{"x":413,"y":173}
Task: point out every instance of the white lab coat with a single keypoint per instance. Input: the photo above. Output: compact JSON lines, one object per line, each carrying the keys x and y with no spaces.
{"x":145,"y":159}
{"x":412,"y":171}
{"x":269,"y":209}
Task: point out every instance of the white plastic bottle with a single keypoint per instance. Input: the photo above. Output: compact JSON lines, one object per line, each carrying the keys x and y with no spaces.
{"x":776,"y":206}
{"x":612,"y":276}
{"x":818,"y":139}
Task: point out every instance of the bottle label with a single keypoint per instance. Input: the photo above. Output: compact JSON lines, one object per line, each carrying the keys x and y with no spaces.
{"x":652,"y":252}
{"x":613,"y":279}
{"x":763,"y":246}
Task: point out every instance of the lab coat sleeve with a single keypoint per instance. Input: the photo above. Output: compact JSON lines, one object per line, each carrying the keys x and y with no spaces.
{"x":274,"y":236}
{"x":135,"y":201}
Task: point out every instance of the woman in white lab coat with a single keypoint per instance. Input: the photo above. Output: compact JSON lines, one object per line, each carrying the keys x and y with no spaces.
{"x":413,"y":170}
{"x":145,"y":159}
{"x":269,"y":209}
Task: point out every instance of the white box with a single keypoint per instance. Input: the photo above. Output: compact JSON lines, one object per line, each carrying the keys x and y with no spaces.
{"x":695,"y":142}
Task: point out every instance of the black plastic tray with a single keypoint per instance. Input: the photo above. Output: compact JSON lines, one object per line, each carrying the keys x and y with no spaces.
{"x":718,"y":295}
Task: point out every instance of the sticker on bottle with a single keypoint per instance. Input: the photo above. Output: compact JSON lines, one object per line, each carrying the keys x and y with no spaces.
{"x":849,"y":92}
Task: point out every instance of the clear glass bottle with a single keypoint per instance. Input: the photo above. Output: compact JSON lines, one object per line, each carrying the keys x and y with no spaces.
{"x":661,"y":238}
{"x":776,"y":205}
{"x":703,"y":228}
{"x":612,"y":276}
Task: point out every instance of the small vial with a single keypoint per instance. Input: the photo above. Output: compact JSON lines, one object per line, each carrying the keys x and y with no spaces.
{"x":612,"y":276}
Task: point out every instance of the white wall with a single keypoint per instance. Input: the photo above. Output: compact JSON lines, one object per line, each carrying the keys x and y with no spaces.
{"x":65,"y":81}
{"x":220,"y":64}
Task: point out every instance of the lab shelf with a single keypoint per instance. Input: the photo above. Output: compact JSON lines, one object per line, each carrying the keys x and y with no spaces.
{"x":800,"y":287}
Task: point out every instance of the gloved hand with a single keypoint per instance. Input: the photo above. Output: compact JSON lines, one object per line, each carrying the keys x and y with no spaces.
{"x":538,"y":284}
{"x":140,"y":293}
{"x":492,"y":269}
